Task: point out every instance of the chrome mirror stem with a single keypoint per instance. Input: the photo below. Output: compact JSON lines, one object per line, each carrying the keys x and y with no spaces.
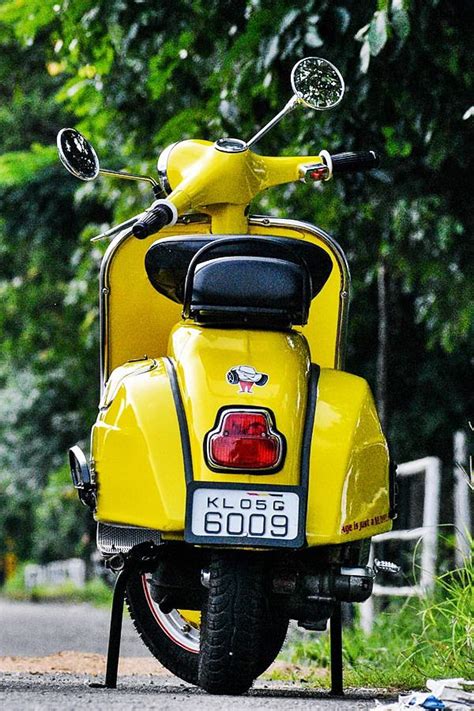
{"x":292,"y":104}
{"x":128,"y":176}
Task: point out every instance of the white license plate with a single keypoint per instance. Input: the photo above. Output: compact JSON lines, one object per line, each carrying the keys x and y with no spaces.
{"x":244,"y":516}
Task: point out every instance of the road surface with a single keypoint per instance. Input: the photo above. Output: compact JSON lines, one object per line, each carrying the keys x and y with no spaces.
{"x":32,"y":673}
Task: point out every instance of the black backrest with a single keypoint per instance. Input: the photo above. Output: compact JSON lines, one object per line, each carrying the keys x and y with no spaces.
{"x":256,"y":292}
{"x":167,"y":260}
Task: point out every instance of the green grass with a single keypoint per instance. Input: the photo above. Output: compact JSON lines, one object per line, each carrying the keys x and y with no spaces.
{"x":447,"y":637}
{"x":411,"y":641}
{"x":95,"y":591}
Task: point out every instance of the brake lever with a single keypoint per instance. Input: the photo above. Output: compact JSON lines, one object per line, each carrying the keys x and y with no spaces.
{"x":118,"y":228}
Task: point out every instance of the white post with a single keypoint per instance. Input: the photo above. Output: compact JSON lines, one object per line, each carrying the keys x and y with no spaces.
{"x":462,"y":509}
{"x":430,"y":523}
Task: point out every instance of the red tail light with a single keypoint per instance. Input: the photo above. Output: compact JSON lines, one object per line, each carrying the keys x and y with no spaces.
{"x":244,"y":440}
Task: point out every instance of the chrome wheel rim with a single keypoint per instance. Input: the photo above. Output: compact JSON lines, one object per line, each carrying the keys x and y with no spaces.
{"x":173,"y":624}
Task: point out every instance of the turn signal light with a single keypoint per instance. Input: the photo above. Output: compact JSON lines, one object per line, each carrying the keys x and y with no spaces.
{"x":244,"y":440}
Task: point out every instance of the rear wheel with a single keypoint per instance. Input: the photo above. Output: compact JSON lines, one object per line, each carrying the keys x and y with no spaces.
{"x":239,"y":635}
{"x":174,"y":638}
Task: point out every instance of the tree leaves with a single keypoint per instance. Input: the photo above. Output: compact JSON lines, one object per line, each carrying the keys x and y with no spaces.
{"x":27,"y":17}
{"x":375,"y":34}
{"x":19,"y":167}
{"x":138,"y":76}
{"x":400,"y":20}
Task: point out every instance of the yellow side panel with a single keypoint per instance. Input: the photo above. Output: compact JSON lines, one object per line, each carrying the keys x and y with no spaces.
{"x":136,"y":442}
{"x":137,"y":452}
{"x":204,"y":356}
{"x":138,"y":320}
{"x":349,"y":485}
{"x":324,"y":330}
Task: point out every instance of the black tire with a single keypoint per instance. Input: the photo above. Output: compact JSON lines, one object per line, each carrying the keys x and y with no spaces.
{"x":239,"y":636}
{"x":179,"y":661}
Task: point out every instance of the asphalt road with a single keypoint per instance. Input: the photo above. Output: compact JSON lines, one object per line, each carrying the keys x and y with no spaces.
{"x":34,"y":630}
{"x":21,"y":692}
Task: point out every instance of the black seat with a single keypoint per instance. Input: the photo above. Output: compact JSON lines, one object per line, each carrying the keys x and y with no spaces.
{"x":264,"y":282}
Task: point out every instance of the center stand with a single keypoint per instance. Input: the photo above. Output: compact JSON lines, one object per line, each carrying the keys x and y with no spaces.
{"x":337,"y":688}
{"x":142,"y":559}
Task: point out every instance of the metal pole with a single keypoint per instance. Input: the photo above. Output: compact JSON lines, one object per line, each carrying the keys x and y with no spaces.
{"x":367,"y":608}
{"x":336,"y":651}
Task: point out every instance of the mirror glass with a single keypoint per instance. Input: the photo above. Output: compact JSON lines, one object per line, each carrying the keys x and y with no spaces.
{"x":317,"y":83}
{"x":77,"y":154}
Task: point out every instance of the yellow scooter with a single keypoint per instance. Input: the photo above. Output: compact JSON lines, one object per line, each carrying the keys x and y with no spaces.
{"x":237,"y":473}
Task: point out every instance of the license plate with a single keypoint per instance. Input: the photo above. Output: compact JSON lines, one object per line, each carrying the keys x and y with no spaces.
{"x":244,"y":516}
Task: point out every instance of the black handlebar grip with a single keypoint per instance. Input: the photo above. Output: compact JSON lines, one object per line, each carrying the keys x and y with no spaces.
{"x":352,"y":162}
{"x":153,"y":221}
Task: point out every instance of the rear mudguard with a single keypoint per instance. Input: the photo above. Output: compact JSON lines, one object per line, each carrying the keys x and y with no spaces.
{"x":148,"y":441}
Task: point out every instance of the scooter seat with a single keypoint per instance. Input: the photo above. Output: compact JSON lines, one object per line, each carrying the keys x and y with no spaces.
{"x":168,"y":259}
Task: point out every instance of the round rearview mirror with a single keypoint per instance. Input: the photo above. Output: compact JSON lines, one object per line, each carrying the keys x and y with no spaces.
{"x":317,"y":83}
{"x":77,"y":154}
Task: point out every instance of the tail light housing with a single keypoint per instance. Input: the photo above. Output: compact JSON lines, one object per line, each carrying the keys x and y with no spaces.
{"x":245,"y":440}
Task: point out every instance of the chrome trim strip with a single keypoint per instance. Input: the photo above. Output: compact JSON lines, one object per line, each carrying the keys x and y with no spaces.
{"x":140,"y":370}
{"x":104,"y":290}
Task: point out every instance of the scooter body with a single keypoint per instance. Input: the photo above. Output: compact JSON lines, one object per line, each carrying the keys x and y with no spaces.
{"x":137,"y":448}
{"x":235,"y":467}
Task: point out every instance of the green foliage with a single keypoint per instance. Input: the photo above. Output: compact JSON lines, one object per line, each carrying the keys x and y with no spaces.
{"x":61,"y":523}
{"x":19,"y":167}
{"x":137,"y":76}
{"x":26,"y":17}
{"x":369,"y":661}
{"x":446,"y":641}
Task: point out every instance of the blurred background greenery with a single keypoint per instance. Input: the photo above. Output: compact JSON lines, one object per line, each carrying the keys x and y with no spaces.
{"x":136,"y":75}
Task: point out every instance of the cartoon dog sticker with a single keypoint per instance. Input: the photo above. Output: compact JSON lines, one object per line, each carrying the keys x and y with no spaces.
{"x":246,"y":376}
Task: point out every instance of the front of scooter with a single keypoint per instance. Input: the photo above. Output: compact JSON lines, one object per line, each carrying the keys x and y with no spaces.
{"x":235,"y":480}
